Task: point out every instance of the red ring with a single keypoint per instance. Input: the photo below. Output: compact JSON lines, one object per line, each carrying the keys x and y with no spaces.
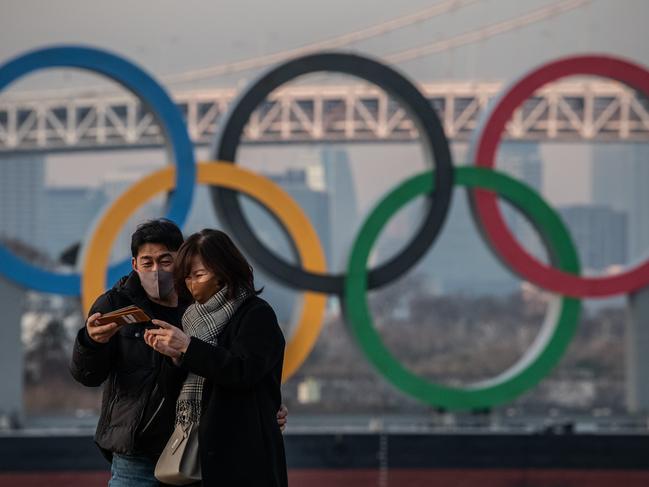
{"x":485,"y":204}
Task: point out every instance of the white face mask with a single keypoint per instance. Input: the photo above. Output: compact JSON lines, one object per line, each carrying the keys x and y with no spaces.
{"x":157,"y":284}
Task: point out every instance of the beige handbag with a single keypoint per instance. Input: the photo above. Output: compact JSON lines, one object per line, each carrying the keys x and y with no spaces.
{"x":179,"y":463}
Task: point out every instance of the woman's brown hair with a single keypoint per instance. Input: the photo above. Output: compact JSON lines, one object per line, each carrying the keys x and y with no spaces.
{"x":219,"y":255}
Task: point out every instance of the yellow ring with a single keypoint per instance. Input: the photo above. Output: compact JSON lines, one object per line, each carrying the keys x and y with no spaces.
{"x":97,"y":254}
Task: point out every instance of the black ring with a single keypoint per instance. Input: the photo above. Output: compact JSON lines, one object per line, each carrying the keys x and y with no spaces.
{"x":228,"y":206}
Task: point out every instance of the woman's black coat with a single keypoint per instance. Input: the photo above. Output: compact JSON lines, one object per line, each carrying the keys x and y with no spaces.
{"x":240,"y":441}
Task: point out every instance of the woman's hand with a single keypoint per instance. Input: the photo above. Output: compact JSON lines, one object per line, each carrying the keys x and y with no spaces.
{"x":168,"y":339}
{"x":282,"y":416}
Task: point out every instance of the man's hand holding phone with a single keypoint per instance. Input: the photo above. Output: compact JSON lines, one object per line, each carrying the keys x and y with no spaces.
{"x":100,"y":333}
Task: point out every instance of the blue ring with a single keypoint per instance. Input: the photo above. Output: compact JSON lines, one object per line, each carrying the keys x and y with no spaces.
{"x":155,"y":98}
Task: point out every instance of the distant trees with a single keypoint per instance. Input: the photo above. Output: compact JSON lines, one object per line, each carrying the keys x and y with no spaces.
{"x":459,"y":339}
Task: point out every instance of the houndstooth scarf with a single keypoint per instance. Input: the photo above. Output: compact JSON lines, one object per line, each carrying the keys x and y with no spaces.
{"x":205,"y":322}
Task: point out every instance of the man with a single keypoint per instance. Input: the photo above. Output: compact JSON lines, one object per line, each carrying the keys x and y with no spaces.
{"x":140,"y":385}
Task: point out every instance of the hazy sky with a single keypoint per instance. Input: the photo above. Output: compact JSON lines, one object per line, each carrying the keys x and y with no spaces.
{"x":172,"y":36}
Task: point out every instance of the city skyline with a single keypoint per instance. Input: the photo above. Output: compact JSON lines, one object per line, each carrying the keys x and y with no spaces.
{"x":602,"y":185}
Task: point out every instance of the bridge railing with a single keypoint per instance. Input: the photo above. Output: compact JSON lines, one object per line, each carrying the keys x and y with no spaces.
{"x":564,"y":111}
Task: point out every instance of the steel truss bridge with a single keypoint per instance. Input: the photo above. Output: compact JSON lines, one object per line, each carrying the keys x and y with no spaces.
{"x":563,"y":111}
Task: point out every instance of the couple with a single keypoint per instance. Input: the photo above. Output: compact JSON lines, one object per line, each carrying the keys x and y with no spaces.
{"x":212,"y":354}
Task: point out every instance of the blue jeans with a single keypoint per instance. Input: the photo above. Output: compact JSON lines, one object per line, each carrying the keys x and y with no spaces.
{"x":131,"y":471}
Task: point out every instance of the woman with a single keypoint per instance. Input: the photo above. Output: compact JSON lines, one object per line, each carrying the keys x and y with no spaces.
{"x":233,"y":349}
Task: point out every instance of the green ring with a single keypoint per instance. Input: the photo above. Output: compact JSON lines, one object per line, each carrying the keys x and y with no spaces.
{"x":540,"y":358}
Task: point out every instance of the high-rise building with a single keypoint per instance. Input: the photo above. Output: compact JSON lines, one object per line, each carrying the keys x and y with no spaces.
{"x":343,"y":207}
{"x":322,"y":185}
{"x":599,"y":233}
{"x":307,"y":188}
{"x":21,"y":198}
{"x":460,"y":260}
{"x":68,"y":214}
{"x":619,"y":176}
{"x":113,"y":185}
{"x":522,"y":161}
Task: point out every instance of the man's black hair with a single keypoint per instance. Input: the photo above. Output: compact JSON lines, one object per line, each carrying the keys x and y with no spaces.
{"x":159,"y":231}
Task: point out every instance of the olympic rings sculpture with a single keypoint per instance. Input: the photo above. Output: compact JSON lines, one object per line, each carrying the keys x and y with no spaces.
{"x":226,"y":180}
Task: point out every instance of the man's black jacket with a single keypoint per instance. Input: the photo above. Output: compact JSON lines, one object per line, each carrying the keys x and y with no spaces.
{"x":140,"y":385}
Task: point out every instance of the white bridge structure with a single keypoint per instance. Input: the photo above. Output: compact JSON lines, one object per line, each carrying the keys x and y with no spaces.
{"x":561,"y":111}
